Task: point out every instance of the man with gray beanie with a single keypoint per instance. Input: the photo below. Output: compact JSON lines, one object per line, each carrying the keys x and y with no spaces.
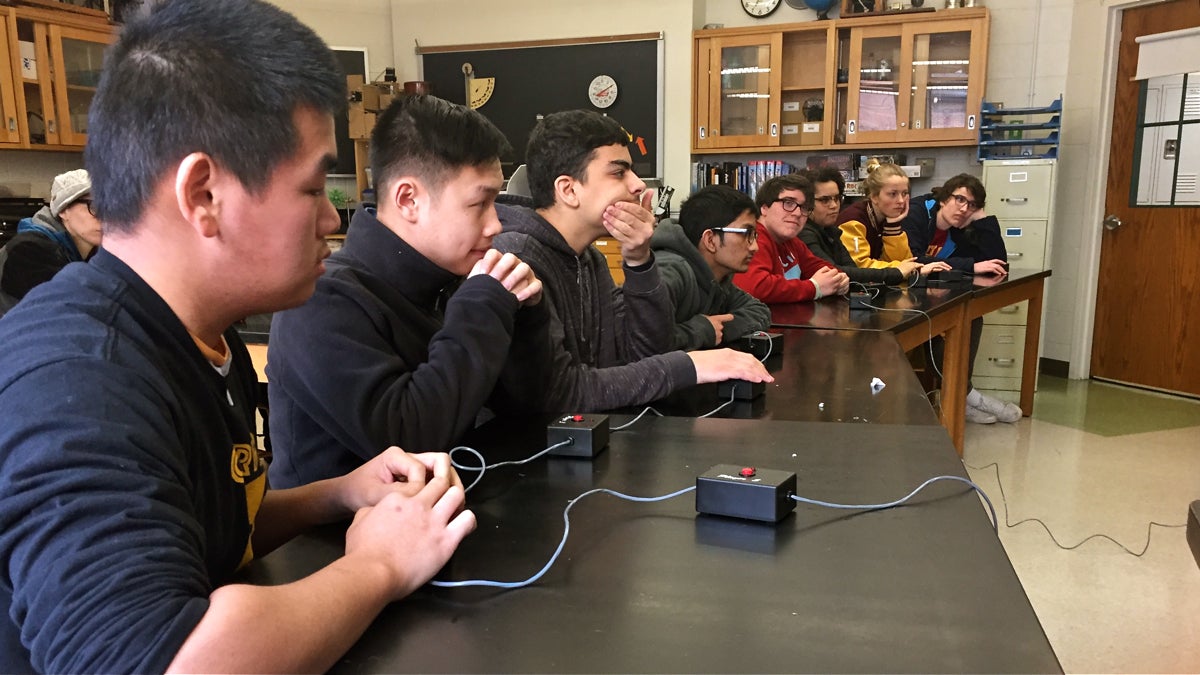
{"x":66,"y":231}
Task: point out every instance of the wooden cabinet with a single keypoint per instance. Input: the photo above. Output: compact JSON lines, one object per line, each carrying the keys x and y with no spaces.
{"x":53,"y":61}
{"x":879,"y":79}
{"x":912,"y":82}
{"x":742,"y":81}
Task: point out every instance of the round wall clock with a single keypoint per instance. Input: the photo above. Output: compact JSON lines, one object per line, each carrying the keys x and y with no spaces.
{"x":760,"y":8}
{"x":602,"y":91}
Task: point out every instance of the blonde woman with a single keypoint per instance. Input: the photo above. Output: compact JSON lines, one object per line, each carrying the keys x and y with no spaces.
{"x":872,"y":230}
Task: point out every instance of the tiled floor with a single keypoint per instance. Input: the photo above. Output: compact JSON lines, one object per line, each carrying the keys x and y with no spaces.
{"x":1101,"y":459}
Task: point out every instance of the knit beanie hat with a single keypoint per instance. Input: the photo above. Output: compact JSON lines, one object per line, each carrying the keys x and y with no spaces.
{"x":67,"y":188}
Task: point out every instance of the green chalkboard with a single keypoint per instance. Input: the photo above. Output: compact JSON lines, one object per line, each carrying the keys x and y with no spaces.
{"x":532,"y":81}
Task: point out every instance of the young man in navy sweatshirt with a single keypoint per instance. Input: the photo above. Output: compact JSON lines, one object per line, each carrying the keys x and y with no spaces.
{"x":131,"y":484}
{"x":406,"y":337}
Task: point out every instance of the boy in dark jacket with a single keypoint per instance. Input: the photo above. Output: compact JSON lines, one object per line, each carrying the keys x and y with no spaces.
{"x":698,"y":257}
{"x":950,"y":225}
{"x":127,"y":513}
{"x":611,"y":346}
{"x":406,"y":337}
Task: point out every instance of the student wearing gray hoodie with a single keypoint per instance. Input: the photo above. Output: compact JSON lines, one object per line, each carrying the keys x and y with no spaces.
{"x":611,"y":346}
{"x":698,"y":257}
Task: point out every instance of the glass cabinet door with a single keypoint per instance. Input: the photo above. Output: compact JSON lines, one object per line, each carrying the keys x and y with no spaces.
{"x":746,"y":77}
{"x":10,"y":131}
{"x":874,"y":108}
{"x":942,"y":105}
{"x":80,"y":55}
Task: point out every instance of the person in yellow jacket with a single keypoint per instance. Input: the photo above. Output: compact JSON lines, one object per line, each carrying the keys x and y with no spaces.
{"x":872,"y":228}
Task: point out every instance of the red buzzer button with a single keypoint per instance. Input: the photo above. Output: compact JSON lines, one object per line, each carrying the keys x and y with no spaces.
{"x":577,"y":418}
{"x":748,"y":471}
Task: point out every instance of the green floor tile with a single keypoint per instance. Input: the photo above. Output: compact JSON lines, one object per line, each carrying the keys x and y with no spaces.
{"x":1110,"y":410}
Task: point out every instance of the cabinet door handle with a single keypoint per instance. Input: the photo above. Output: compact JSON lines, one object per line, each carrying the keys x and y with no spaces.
{"x":1016,"y":200}
{"x":1003,"y":362}
{"x":774,"y":130}
{"x":51,"y":126}
{"x":703,"y":135}
{"x":1016,"y":254}
{"x":970,"y":121}
{"x":851,"y":127}
{"x":1011,"y":309}
{"x":12,"y":124}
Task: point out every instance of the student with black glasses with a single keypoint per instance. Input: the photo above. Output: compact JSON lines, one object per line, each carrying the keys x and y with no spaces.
{"x":783,"y":269}
{"x":64,"y":232}
{"x":715,"y":238}
{"x":824,"y":238}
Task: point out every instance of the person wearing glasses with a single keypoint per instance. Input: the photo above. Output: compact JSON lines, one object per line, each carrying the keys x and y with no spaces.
{"x":950,"y":226}
{"x":697,"y":258}
{"x":783,"y":269}
{"x":871,"y":228}
{"x":823,"y":237}
{"x":66,"y":231}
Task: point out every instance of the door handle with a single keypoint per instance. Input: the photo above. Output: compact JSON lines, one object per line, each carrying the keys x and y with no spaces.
{"x":774,"y":130}
{"x":1016,"y":254}
{"x":1015,"y":200}
{"x":12,"y":124}
{"x":702,"y":133}
{"x":1112,"y":222}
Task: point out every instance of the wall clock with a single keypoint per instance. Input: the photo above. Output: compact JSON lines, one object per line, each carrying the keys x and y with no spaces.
{"x":602,"y":92}
{"x":760,"y":8}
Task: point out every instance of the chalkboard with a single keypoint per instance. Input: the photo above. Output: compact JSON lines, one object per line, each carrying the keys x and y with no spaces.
{"x":538,"y":80}
{"x":351,"y":61}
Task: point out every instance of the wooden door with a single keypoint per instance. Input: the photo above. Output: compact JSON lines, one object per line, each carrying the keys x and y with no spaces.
{"x":1147,"y":329}
{"x":875,"y":107}
{"x":744,"y":96}
{"x":10,"y":130}
{"x":77,"y":56}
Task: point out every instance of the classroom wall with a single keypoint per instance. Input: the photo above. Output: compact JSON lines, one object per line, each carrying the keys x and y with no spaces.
{"x":481,"y":21}
{"x":28,"y":173}
{"x":350,"y":23}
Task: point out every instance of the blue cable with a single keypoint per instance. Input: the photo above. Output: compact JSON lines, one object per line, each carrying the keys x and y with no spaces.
{"x":561,"y":544}
{"x":484,"y":466}
{"x":875,"y":507}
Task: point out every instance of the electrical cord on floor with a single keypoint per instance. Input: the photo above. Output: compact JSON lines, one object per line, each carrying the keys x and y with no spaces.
{"x":1039,"y":521}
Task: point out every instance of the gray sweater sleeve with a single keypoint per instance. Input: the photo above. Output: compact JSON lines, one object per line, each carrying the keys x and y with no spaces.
{"x":578,"y":387}
{"x":644,"y":312}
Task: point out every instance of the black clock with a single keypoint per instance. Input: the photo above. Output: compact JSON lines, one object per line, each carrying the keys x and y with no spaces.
{"x":760,"y":8}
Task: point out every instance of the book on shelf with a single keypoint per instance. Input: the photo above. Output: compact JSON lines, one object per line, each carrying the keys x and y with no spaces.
{"x":743,"y":176}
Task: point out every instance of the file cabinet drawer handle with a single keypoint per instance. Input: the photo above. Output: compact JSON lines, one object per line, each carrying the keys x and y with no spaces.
{"x":1003,"y":362}
{"x":1016,"y":200}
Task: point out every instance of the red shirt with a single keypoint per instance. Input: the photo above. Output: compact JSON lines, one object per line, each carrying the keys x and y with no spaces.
{"x":780,"y":272}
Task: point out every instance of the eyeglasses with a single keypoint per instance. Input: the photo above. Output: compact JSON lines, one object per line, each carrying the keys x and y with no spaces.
{"x":791,"y":205}
{"x":87,"y":203}
{"x":750,"y":233}
{"x":829,"y":199}
{"x":963,"y":201}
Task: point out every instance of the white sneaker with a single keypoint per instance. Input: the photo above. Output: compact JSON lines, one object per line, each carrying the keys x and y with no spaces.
{"x":978,"y":416}
{"x":1003,"y":411}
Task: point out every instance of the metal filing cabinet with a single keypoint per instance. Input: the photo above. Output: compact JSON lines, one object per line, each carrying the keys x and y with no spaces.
{"x":1020,"y":193}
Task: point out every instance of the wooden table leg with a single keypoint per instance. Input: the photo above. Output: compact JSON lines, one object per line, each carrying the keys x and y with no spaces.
{"x":954,"y":381}
{"x":1029,"y":366}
